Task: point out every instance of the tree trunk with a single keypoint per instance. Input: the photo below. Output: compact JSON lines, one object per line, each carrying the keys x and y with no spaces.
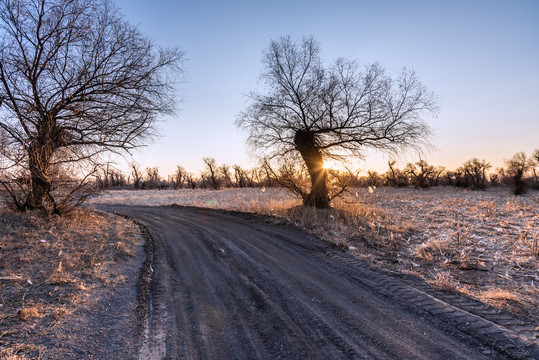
{"x":306,"y":145}
{"x":40,"y":191}
{"x":39,"y":155}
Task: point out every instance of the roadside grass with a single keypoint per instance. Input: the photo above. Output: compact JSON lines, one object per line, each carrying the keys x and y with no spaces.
{"x":49,"y":266}
{"x":481,"y":243}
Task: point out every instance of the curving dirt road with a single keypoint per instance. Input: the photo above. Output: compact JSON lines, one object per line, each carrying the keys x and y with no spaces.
{"x":228,"y":286}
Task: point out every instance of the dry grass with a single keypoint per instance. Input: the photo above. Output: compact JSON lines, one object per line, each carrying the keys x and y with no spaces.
{"x":469,"y":241}
{"x":49,"y":266}
{"x":443,"y":280}
{"x":459,"y":240}
{"x":19,"y":352}
{"x":498,"y":294}
{"x":257,"y":200}
{"x":482,"y":240}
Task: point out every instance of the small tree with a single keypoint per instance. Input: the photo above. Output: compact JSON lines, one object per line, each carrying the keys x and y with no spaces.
{"x":420,"y":173}
{"x":449,"y":178}
{"x":259,"y":177}
{"x":191,"y":181}
{"x":211,"y":173}
{"x":241,"y":177}
{"x":516,"y":169}
{"x":110,"y":177}
{"x":474,"y":173}
{"x":438,"y":174}
{"x":311,"y":113}
{"x":136,"y":174}
{"x":290,"y":175}
{"x":372,"y":178}
{"x":153,"y":180}
{"x":394,"y":176}
{"x":179,"y":177}
{"x":535,"y":158}
{"x":76,"y":80}
{"x":224,"y":171}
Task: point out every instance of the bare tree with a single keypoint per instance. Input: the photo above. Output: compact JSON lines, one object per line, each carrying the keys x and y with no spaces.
{"x":516,"y":169}
{"x":394,"y":176}
{"x":191,"y":181}
{"x":317,"y":113}
{"x":76,"y":80}
{"x":224,"y":170}
{"x":290,"y":175}
{"x":136,"y":174}
{"x":474,"y":173}
{"x":211,"y":174}
{"x":439,"y":171}
{"x":372,"y":178}
{"x":241,"y":178}
{"x":420,"y":173}
{"x":535,"y":158}
{"x":153,"y":180}
{"x":179,"y":177}
{"x":109,"y":177}
{"x":258,"y":177}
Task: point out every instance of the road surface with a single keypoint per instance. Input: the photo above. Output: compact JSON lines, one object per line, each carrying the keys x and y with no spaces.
{"x":229,"y":286}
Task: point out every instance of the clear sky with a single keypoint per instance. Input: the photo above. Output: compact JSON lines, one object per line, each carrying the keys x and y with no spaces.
{"x":480,"y":57}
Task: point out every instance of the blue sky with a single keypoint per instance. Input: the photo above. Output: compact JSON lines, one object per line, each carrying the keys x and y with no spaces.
{"x":480,"y":57}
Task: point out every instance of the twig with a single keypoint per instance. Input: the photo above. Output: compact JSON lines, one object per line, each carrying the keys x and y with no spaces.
{"x":16,"y":277}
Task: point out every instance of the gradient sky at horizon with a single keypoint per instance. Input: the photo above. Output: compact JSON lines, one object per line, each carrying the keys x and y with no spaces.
{"x":480,"y":57}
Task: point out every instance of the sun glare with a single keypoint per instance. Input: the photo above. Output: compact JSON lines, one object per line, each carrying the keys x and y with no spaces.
{"x":332,"y":165}
{"x":350,"y":165}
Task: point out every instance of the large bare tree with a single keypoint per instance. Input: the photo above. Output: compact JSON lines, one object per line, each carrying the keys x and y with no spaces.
{"x":76,"y":80}
{"x":314,"y":112}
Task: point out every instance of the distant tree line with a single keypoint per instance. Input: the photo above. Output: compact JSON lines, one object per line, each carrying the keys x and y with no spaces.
{"x":520,"y":173}
{"x":214,"y":176}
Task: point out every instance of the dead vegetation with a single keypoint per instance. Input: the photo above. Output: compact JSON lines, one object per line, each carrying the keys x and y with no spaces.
{"x":49,"y":266}
{"x":483,"y":244}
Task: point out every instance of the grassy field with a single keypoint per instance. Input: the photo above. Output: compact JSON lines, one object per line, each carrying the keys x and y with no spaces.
{"x":481,"y":243}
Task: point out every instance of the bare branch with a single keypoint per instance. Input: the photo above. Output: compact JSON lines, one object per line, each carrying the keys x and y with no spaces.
{"x":321,"y":112}
{"x":76,"y":81}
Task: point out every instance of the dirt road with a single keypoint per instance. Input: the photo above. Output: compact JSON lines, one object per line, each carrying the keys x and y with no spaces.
{"x":228,"y":286}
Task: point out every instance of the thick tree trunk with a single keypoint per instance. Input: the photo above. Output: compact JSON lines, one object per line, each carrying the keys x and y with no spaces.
{"x":40,"y":191}
{"x":306,"y":145}
{"x":39,"y":157}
